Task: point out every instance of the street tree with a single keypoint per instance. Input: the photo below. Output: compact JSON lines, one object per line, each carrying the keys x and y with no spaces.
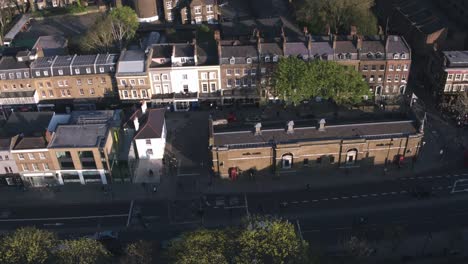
{"x":82,"y":251}
{"x":200,"y":247}
{"x":6,"y":15}
{"x":268,"y":240}
{"x":28,"y":245}
{"x":111,"y":31}
{"x":140,"y":252}
{"x":296,"y":80}
{"x":337,"y":15}
{"x":358,"y":247}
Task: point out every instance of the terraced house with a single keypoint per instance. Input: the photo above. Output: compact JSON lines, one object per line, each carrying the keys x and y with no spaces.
{"x":191,"y":11}
{"x":16,"y":83}
{"x":74,"y":78}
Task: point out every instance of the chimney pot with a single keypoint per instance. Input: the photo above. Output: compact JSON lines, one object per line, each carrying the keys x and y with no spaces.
{"x":322,"y":124}
{"x":144,"y":107}
{"x":290,"y":129}
{"x":258,"y":129}
{"x":136,"y":123}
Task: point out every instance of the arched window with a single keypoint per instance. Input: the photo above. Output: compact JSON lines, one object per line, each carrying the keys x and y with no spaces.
{"x":403,"y":56}
{"x":351,"y":156}
{"x":287,"y":161}
{"x":267,"y":58}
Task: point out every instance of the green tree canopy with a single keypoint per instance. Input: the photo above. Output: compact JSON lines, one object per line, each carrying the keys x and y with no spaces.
{"x":28,"y":245}
{"x":82,"y":251}
{"x":271,"y":241}
{"x":111,"y":31}
{"x":296,"y":80}
{"x":140,"y":252}
{"x":339,"y":15}
{"x":200,"y":247}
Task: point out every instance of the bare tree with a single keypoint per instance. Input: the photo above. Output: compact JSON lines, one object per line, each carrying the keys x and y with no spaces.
{"x":461,"y":103}
{"x":6,"y":14}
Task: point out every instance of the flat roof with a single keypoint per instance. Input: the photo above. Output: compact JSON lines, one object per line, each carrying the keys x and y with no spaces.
{"x":79,"y":136}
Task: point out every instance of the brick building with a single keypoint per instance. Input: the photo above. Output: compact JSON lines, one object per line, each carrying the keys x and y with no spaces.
{"x":191,"y":11}
{"x":301,"y":146}
{"x":132,"y":76}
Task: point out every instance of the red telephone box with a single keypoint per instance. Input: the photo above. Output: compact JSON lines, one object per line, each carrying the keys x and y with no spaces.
{"x":233,"y":173}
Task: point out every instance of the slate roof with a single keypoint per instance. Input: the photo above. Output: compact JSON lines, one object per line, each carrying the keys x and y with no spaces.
{"x":207,"y":54}
{"x":162,"y":51}
{"x":240,"y":51}
{"x":373,"y":46}
{"x":31,"y":143}
{"x":396,"y":44}
{"x":321,"y":48}
{"x":132,"y":55}
{"x":151,"y":123}
{"x":63,"y":61}
{"x":345,"y":46}
{"x":10,"y":63}
{"x":184,"y":50}
{"x":311,"y":133}
{"x":271,"y":48}
{"x":42,"y":62}
{"x":107,"y":59}
{"x":295,"y":49}
{"x":79,"y":136}
{"x":27,"y":123}
{"x":84,"y":60}
{"x":457,"y":58}
{"x":5,"y":143}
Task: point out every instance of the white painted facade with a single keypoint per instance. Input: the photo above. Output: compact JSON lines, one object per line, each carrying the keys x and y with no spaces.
{"x":152,"y":148}
{"x":185,"y":79}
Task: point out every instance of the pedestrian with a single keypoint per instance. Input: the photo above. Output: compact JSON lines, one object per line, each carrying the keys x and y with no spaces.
{"x":308,"y":187}
{"x":155,"y":189}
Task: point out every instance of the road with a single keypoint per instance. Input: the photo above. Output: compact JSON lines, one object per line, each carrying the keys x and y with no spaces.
{"x":332,"y":211}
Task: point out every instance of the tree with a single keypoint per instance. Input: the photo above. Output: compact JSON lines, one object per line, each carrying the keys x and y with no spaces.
{"x":460,"y":104}
{"x":338,"y":15}
{"x":270,"y":241}
{"x":28,"y":245}
{"x":140,"y":252}
{"x":82,"y":251}
{"x":123,"y":24}
{"x":111,"y":31}
{"x":200,"y":247}
{"x":358,"y":247}
{"x":6,"y":15}
{"x":296,"y":80}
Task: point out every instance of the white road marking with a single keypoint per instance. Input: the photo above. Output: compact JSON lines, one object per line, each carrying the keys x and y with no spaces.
{"x":364,"y":195}
{"x":344,"y":197}
{"x":315,"y":201}
{"x":235,"y":207}
{"x":325,"y":199}
{"x":63,"y":218}
{"x":384,"y":193}
{"x":130,"y":213}
{"x":403,"y":191}
{"x":355,"y":196}
{"x":305,"y":201}
{"x":374,"y":194}
{"x":393,"y":193}
{"x":188,"y":174}
{"x":294,"y":202}
{"x":335,"y":198}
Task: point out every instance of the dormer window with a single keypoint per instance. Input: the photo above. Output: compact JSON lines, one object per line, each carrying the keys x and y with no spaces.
{"x":378,"y":55}
{"x":340,"y":56}
{"x":77,"y":71}
{"x":88,"y":70}
{"x":163,"y":61}
{"x":249,"y":61}
{"x":348,"y":56}
{"x":316,"y":56}
{"x":232,"y":60}
{"x":370,"y":55}
{"x":396,"y":56}
{"x":325,"y":56}
{"x":275,"y":58}
{"x":267,"y":58}
{"x":60,"y":72}
{"x":403,"y":56}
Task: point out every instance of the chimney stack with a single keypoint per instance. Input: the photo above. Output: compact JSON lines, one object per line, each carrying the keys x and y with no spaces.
{"x":305,"y":30}
{"x":136,"y":123}
{"x":144,"y":106}
{"x":322,"y":124}
{"x":359,"y":42}
{"x":258,"y":129}
{"x":290,"y":129}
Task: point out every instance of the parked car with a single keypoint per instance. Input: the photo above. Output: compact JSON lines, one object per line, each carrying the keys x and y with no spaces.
{"x":253,"y":118}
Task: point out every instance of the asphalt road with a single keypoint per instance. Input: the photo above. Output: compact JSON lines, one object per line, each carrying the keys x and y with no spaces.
{"x":324,"y":215}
